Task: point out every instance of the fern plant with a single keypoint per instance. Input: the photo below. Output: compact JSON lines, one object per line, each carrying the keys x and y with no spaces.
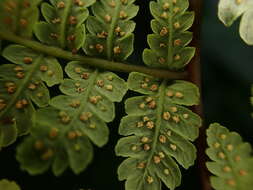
{"x":60,"y":83}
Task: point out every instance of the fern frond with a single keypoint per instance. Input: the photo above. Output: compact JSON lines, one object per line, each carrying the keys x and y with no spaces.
{"x":87,"y":103}
{"x":78,"y":117}
{"x":21,"y":84}
{"x":64,"y":23}
{"x":158,"y":126}
{"x":159,"y":129}
{"x":8,"y":185}
{"x":232,"y":161}
{"x":110,"y":29}
{"x":19,"y":16}
{"x":231,"y":10}
{"x":170,"y":38}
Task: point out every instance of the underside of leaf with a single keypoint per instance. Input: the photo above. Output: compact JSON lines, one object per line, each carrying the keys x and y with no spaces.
{"x":158,"y":126}
{"x":74,"y":119}
{"x":230,"y":10}
{"x":21,"y":84}
{"x":19,"y":16}
{"x":64,"y":23}
{"x":87,"y":103}
{"x":158,"y":129}
{"x":232,"y":161}
{"x":110,"y":29}
{"x":170,"y":38}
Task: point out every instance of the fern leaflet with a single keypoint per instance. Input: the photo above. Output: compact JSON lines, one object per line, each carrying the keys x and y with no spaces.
{"x":19,"y":16}
{"x":64,"y":23}
{"x":8,"y":185}
{"x":20,"y":84}
{"x":80,"y":114}
{"x":111,"y":29}
{"x":232,"y":159}
{"x":231,"y":10}
{"x":161,"y":129}
{"x":158,"y":125}
{"x":170,"y":38}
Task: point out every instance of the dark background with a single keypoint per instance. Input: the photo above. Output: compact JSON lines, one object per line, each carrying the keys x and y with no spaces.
{"x":226,"y":78}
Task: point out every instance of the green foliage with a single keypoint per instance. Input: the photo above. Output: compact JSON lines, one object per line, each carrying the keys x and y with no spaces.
{"x":81,"y":114}
{"x":19,"y":16}
{"x":159,"y":128}
{"x":64,"y":23}
{"x":8,"y":185}
{"x":158,"y":125}
{"x":232,"y":161}
{"x":52,"y":143}
{"x":231,"y":10}
{"x":170,"y":38}
{"x":110,"y":29}
{"x":21,"y":84}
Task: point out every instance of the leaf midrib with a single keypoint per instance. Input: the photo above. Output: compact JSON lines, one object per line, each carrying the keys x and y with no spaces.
{"x":171,"y":31}
{"x":85,"y":98}
{"x":110,"y":38}
{"x":68,"y":6}
{"x":17,"y":17}
{"x":161,"y":95}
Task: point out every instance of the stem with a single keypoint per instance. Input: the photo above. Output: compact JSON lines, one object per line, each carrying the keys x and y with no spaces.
{"x":90,"y":61}
{"x":110,"y":38}
{"x":171,"y":32}
{"x":195,"y":77}
{"x":63,"y":23}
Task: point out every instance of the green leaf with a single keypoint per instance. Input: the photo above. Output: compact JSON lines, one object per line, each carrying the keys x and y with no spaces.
{"x":158,"y":126}
{"x":8,"y":185}
{"x":64,"y":23}
{"x":110,"y":29}
{"x":21,"y":84}
{"x":8,"y":134}
{"x":54,"y":143}
{"x":19,"y":16}
{"x":246,"y":27}
{"x":229,"y":11}
{"x":79,"y":116}
{"x":232,"y":161}
{"x":88,"y":99}
{"x":158,"y":129}
{"x":170,"y":38}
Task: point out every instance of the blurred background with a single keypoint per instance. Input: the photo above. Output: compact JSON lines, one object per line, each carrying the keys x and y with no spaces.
{"x":227,"y":75}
